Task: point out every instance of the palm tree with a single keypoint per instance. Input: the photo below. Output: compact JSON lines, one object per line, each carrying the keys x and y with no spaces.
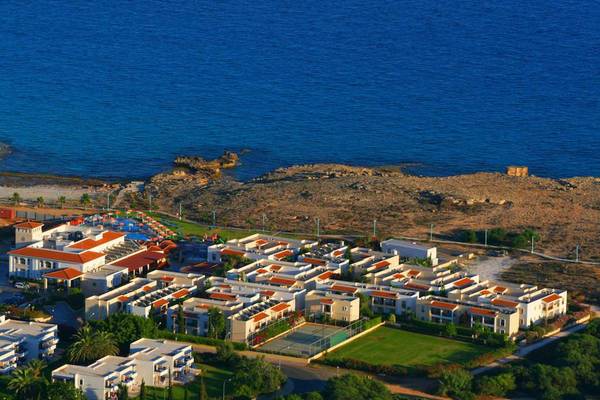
{"x":26,"y":385}
{"x":85,"y":200}
{"x":61,"y":201}
{"x":37,"y":367}
{"x":40,"y":202}
{"x":91,"y":345}
{"x":16,"y":198}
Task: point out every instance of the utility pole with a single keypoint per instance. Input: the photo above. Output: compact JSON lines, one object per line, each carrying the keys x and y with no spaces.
{"x":430,"y":232}
{"x":374,"y":228}
{"x":180,"y":211}
{"x":214,"y":218}
{"x":150,"y":201}
{"x":485,"y":237}
{"x":577,"y":253}
{"x":108,"y":201}
{"x":532,"y":244}
{"x":264,"y":222}
{"x":318,"y":221}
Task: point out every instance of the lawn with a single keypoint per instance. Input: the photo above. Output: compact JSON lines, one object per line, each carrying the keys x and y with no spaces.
{"x":213,"y":379}
{"x":390,"y":346}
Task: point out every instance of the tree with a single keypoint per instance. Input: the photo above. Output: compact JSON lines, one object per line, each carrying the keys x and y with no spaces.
{"x":37,"y":367}
{"x":85,"y":200}
{"x":25,"y":385}
{"x":126,"y":328}
{"x":470,"y":236}
{"x":392,"y":318}
{"x":16,"y":198}
{"x":497,"y":385}
{"x":63,"y":391}
{"x":216,"y":323}
{"x":254,"y":376}
{"x":456,"y":383}
{"x":225,"y":352}
{"x":180,"y":320}
{"x":203,"y":394}
{"x":450,"y":330}
{"x":313,"y":396}
{"x":40,"y":202}
{"x":365,"y":307}
{"x":61,"y":201}
{"x":123,"y":392}
{"x":355,"y":387}
{"x":142,"y":390}
{"x":90,"y":345}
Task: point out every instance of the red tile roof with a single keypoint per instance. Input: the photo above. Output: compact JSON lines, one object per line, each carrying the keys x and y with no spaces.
{"x":482,"y":311}
{"x":283,"y":254}
{"x":551,"y":298}
{"x":64,"y":274}
{"x":380,"y":293}
{"x":500,"y":289}
{"x":267,"y":293}
{"x":275,"y":267}
{"x":87,"y":244}
{"x":399,"y":276}
{"x":282,"y":281}
{"x":222,"y":296}
{"x":413,"y":273}
{"x":280,"y":307}
{"x":160,"y":303}
{"x":261,"y":271}
{"x":416,"y":286}
{"x":147,"y":288}
{"x":314,"y":261}
{"x":55,"y":255}
{"x":446,"y":306}
{"x":342,"y":288}
{"x":504,"y":303}
{"x":139,"y":260}
{"x":181,"y":293}
{"x":167,"y":278}
{"x":123,"y":299}
{"x":260,"y":317}
{"x":261,"y":242}
{"x":326,"y":275}
{"x":230,"y":252}
{"x":29,"y":225}
{"x":326,"y":301}
{"x":463,"y":282}
{"x":381,"y":264}
{"x":338,"y":253}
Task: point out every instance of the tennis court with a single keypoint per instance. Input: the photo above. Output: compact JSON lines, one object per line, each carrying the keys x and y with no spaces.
{"x":307,"y":340}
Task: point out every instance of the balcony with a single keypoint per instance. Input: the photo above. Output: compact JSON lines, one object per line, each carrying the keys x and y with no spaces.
{"x":49,"y":343}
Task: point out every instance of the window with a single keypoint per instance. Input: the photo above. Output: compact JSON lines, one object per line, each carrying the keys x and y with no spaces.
{"x":502,"y":322}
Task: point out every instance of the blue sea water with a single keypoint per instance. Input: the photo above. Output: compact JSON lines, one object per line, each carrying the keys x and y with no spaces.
{"x":117,"y":89}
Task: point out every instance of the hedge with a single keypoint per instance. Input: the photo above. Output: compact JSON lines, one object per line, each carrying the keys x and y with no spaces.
{"x":371,"y":323}
{"x":359,"y":365}
{"x":162,"y":334}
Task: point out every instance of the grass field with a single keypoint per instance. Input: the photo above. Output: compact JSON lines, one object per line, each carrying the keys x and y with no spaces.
{"x":389,"y":346}
{"x":213,"y":379}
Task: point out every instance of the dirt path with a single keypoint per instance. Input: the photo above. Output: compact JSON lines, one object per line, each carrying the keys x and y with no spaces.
{"x":490,"y":268}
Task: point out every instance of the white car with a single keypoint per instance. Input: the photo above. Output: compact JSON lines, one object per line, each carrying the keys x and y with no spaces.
{"x":22,"y":285}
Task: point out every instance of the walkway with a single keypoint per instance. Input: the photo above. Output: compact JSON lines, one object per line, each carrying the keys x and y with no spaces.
{"x":525,"y":350}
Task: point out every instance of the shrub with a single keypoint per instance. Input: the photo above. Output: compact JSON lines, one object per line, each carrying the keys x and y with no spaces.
{"x":497,"y":385}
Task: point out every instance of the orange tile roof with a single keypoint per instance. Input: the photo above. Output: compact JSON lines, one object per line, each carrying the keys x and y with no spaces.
{"x":381,"y":264}
{"x":54,"y":255}
{"x":485,"y":291}
{"x":261,"y":242}
{"x":551,"y":298}
{"x":147,"y":288}
{"x":416,"y":286}
{"x":87,"y":244}
{"x":283,"y":254}
{"x":504,"y":303}
{"x":326,"y":275}
{"x":167,"y":278}
{"x":181,"y":293}
{"x":160,"y":303}
{"x":261,"y":271}
{"x":314,"y":261}
{"x":260,"y":317}
{"x":326,"y":301}
{"x":463,"y":282}
{"x":500,"y":289}
{"x":342,"y":288}
{"x":413,"y":273}
{"x":280,"y":307}
{"x":275,"y":267}
{"x":222,"y":296}
{"x":446,"y":306}
{"x":267,"y":293}
{"x":399,"y":276}
{"x":282,"y":281}
{"x":123,"y":299}
{"x":482,"y":311}
{"x":65,"y":274}
{"x":380,"y":293}
{"x":338,"y":253}
{"x":29,"y":225}
{"x":230,"y":252}
{"x":140,"y":260}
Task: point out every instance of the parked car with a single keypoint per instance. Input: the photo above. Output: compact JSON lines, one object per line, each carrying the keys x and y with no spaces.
{"x":22,"y":285}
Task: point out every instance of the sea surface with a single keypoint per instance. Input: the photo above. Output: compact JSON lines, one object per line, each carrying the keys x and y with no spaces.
{"x":117,"y":89}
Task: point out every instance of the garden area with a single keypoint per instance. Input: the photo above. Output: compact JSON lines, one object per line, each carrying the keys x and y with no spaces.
{"x":396,"y":347}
